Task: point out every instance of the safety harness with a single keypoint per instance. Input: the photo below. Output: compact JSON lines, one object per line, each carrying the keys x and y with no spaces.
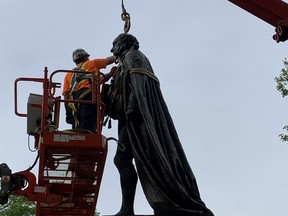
{"x":76,"y":80}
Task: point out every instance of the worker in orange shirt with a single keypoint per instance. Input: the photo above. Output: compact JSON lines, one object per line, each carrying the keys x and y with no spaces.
{"x":78,"y":87}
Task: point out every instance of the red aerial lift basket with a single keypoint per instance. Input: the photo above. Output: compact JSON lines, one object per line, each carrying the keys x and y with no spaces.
{"x":71,"y":162}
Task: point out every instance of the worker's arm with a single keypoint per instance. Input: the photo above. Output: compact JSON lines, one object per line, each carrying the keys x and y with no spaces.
{"x":110,"y":74}
{"x":111,"y":60}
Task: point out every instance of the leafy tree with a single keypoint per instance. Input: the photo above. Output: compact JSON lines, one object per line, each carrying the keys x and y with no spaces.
{"x":282,"y":82}
{"x":18,"y":205}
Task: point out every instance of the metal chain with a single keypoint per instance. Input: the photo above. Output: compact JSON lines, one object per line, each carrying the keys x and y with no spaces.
{"x":126,"y":18}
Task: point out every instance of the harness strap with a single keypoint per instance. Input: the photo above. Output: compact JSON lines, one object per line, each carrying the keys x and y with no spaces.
{"x":75,"y":107}
{"x":74,"y":75}
{"x":145,"y":72}
{"x":77,"y":79}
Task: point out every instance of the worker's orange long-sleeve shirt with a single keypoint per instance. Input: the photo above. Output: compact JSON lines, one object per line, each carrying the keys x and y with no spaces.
{"x":92,"y":66}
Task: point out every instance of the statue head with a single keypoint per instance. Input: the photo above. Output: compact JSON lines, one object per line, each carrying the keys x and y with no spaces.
{"x":123,"y":43}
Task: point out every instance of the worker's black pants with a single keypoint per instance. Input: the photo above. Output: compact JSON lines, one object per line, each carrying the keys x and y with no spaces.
{"x":87,"y":113}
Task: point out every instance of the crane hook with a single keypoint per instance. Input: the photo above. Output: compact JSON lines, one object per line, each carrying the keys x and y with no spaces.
{"x":126,"y":18}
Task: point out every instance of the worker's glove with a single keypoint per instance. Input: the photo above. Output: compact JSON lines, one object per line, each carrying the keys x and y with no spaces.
{"x":113,"y":70}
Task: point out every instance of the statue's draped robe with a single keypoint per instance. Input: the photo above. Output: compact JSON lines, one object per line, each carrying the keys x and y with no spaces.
{"x":164,"y":172}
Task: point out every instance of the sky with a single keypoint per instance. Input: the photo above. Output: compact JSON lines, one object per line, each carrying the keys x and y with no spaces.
{"x":216,"y":64}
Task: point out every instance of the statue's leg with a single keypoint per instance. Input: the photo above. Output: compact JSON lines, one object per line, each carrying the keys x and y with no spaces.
{"x":128,"y":181}
{"x":128,"y":176}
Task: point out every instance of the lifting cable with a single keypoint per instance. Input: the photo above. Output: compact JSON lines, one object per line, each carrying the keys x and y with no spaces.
{"x":126,"y":18}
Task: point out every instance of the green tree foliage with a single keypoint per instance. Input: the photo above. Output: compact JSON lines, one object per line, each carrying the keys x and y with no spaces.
{"x":282,"y":82}
{"x":18,"y":206}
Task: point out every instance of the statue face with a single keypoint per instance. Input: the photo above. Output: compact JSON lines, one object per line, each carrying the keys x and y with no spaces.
{"x":123,"y":43}
{"x":118,"y":46}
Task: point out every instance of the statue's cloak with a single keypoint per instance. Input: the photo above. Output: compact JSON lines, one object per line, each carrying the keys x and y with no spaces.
{"x":164,"y":172}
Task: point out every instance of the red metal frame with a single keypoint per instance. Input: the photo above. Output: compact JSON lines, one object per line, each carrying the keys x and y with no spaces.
{"x":71,"y":162}
{"x":274,"y":12}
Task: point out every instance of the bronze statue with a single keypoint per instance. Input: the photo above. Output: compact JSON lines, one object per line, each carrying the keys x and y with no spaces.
{"x":147,"y":135}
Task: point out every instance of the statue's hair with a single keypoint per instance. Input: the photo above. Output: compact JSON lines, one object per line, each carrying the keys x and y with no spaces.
{"x":124,"y":42}
{"x":129,"y":40}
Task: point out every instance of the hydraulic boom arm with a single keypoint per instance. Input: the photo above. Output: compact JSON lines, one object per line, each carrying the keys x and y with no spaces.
{"x":274,"y":12}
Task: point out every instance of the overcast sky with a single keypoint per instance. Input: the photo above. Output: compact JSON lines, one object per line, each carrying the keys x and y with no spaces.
{"x":216,"y":64}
